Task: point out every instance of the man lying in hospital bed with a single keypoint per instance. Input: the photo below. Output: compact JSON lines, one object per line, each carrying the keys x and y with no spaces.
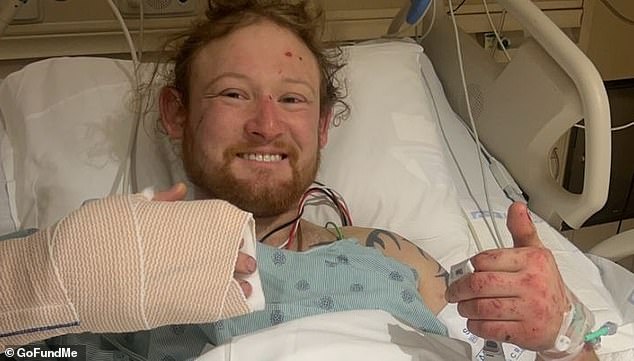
{"x":263,"y":96}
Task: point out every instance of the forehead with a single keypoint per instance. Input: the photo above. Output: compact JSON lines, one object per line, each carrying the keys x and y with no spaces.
{"x":261,"y":47}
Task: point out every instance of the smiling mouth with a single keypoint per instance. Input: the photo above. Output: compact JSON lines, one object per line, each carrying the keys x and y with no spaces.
{"x":260,"y":157}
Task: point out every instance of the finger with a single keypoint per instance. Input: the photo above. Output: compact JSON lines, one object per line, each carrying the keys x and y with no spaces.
{"x":521,"y":226}
{"x":503,"y":331}
{"x":246,"y":287}
{"x":245,"y":264}
{"x":500,"y":260}
{"x":483,"y":285}
{"x":176,"y":193}
{"x":507,"y":309}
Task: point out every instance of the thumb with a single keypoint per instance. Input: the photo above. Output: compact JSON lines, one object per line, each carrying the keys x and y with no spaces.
{"x":176,"y":193}
{"x":521,"y":226}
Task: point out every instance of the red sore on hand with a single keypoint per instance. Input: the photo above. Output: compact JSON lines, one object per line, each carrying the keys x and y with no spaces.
{"x":517,"y":294}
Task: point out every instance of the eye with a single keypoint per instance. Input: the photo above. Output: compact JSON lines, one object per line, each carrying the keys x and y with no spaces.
{"x":235,"y":94}
{"x":293,"y":99}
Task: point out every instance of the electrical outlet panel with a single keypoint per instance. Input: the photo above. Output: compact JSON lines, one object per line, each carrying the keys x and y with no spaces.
{"x":30,"y":12}
{"x":157,"y":8}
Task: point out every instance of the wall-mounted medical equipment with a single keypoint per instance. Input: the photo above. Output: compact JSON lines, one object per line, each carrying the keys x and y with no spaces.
{"x":8,"y":9}
{"x":156,"y":8}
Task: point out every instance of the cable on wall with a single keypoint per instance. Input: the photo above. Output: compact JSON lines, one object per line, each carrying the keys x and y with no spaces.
{"x":495,"y":29}
{"x":614,"y":129}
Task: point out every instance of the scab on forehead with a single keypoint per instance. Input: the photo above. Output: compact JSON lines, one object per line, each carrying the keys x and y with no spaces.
{"x":289,"y":54}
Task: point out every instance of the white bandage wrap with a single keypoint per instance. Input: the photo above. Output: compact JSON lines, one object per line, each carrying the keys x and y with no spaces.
{"x":576,"y":323}
{"x":123,"y":264}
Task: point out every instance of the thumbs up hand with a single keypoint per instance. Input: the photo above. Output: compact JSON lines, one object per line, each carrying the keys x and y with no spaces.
{"x":515,"y":294}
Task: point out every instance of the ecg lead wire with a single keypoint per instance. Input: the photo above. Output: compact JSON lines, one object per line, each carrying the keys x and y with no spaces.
{"x":496,"y":237}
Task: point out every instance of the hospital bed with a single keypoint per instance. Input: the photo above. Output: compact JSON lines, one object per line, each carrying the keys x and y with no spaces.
{"x":405,"y":159}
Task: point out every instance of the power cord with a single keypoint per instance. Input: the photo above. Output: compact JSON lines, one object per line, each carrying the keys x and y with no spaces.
{"x":615,"y":129}
{"x":627,"y":201}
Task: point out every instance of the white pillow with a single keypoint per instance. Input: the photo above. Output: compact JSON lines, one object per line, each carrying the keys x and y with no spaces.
{"x":388,"y":159}
{"x":69,"y":120}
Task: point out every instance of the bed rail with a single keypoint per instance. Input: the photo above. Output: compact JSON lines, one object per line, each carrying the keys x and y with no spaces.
{"x":524,"y":107}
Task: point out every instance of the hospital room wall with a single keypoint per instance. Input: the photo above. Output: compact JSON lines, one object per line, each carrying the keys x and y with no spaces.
{"x":606,"y":37}
{"x":72,"y":27}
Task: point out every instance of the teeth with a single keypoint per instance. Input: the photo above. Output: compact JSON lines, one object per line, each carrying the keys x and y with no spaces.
{"x":262,"y":157}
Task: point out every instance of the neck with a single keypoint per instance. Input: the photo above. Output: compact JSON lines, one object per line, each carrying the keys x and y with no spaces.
{"x":264,"y":225}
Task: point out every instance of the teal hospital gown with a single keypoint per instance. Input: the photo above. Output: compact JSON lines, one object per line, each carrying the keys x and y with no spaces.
{"x":341,"y":276}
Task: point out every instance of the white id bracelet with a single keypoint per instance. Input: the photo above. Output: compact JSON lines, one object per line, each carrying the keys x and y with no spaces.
{"x":576,"y":323}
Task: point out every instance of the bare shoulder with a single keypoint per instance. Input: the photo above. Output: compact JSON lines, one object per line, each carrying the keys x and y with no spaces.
{"x":385,"y":240}
{"x":432,"y":277}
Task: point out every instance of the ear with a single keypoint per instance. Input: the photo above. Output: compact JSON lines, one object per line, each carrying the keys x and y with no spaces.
{"x":324,"y":126}
{"x":173,"y":112}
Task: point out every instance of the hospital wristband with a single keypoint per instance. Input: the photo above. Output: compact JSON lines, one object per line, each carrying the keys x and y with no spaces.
{"x":570,"y":341}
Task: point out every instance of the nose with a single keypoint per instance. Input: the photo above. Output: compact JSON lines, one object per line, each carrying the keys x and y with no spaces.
{"x":265,"y":124}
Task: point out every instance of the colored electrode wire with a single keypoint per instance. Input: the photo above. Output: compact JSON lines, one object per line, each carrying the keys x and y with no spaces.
{"x":339,"y":202}
{"x":338,"y":232}
{"x":335,"y":198}
{"x":279,"y":228}
{"x":302,"y":204}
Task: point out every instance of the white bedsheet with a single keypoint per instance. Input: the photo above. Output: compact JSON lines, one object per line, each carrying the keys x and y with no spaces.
{"x":352,"y":335}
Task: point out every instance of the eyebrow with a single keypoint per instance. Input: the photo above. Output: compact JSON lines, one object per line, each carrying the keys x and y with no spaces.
{"x":228,"y":74}
{"x":300,"y":82}
{"x":240,"y":76}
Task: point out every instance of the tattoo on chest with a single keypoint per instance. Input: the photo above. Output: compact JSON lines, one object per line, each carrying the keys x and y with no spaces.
{"x":380,"y":237}
{"x":375,"y":238}
{"x":442,"y":273}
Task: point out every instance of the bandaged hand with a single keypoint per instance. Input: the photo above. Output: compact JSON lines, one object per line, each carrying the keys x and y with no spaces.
{"x":125,"y":263}
{"x":516,"y":294}
{"x":245,"y":264}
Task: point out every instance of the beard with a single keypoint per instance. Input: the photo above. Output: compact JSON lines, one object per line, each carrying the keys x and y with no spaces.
{"x":261,"y":194}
